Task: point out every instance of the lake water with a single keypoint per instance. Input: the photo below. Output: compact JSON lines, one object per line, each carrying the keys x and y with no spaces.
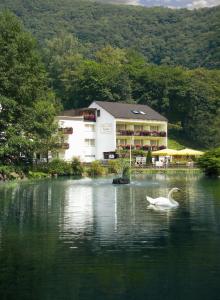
{"x":87,"y":239}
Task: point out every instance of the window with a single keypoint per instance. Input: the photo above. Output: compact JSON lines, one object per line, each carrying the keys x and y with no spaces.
{"x":138,"y":112}
{"x":121,"y":126}
{"x":121,"y":142}
{"x":90,"y":127}
{"x":138,"y":142}
{"x":89,"y":142}
{"x":153,"y":128}
{"x":154,"y":143}
{"x":98,"y":113}
{"x":138,"y":127}
{"x":142,"y":112}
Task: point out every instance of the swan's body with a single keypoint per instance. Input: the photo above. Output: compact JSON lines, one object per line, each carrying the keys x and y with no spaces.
{"x":162,"y":201}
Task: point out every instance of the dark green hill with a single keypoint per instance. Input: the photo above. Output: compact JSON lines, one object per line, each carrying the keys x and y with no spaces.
{"x":164,"y":36}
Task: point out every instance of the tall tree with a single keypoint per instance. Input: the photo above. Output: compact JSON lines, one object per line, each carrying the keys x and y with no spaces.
{"x":27,"y":106}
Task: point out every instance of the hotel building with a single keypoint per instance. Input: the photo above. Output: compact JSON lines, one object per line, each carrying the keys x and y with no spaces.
{"x":94,"y":133}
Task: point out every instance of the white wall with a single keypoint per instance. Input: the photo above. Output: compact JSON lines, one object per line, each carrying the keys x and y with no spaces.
{"x":105,"y":132}
{"x":76,"y":140}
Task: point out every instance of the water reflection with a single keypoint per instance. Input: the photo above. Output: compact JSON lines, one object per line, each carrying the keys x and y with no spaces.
{"x":88,"y":239}
{"x":118,"y":215}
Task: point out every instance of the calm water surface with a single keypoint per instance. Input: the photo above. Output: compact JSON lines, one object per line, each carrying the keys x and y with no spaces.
{"x":87,"y":239}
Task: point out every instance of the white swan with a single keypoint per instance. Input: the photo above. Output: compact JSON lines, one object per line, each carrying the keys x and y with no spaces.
{"x":162,"y":201}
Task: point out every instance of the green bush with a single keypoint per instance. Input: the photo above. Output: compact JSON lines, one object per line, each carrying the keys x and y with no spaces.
{"x":149,"y":157}
{"x":126,"y":172}
{"x":138,"y":153}
{"x":42,"y":167}
{"x":77,"y":167}
{"x":96,"y":169}
{"x":5,"y":170}
{"x":37,"y":175}
{"x":11,"y":172}
{"x":210,"y":163}
{"x":114,"y":166}
{"x":59,"y":167}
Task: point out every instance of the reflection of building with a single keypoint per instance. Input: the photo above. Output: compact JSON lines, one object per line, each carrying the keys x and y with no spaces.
{"x":97,"y":131}
{"x":100,"y":210}
{"x":78,"y":209}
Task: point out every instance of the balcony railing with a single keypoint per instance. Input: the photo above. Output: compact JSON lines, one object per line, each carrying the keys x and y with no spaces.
{"x":91,"y":118}
{"x":66,"y":130}
{"x":141,"y":147}
{"x":142,"y":133}
{"x":64,"y":146}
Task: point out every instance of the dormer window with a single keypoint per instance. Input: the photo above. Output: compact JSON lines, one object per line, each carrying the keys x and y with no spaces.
{"x":138,"y":112}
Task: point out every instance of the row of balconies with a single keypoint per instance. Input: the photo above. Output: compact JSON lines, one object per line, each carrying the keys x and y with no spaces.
{"x":66,"y":146}
{"x":66,"y":130}
{"x":141,"y":147}
{"x":142,"y":133}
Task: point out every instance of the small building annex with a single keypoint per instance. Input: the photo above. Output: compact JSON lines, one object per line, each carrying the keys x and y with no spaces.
{"x":91,"y":133}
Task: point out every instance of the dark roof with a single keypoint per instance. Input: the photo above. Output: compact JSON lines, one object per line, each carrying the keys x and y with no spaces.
{"x":131,"y":111}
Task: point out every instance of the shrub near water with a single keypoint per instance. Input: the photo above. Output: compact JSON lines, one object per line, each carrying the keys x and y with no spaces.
{"x":96,"y":169}
{"x":114,"y":166}
{"x":59,"y":167}
{"x":210,"y":163}
{"x":77,"y":167}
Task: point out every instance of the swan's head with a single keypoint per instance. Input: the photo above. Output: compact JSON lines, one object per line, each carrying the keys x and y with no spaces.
{"x":174,"y":190}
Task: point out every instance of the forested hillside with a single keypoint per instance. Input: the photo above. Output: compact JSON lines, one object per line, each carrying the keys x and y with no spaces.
{"x":163,"y":36}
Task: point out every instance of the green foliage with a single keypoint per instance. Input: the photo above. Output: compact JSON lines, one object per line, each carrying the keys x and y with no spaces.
{"x":77,"y":167}
{"x":162,"y":35}
{"x":126,"y":172}
{"x":59,"y":167}
{"x":114,"y":166}
{"x":210,"y":162}
{"x":149,"y":158}
{"x":27,"y":106}
{"x":5,"y":170}
{"x":96,"y":169}
{"x":37,"y":175}
{"x":174,"y":144}
{"x":22,"y":75}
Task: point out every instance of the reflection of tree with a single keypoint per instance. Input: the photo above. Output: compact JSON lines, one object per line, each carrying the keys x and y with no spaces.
{"x":92,"y":240}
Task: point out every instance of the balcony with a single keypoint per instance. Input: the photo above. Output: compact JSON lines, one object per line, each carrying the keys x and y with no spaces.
{"x":64,"y":146}
{"x":142,"y":133}
{"x":66,"y":130}
{"x":141,"y":147}
{"x":89,"y":117}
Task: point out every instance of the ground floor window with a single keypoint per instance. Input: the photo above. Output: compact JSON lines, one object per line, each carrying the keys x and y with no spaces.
{"x":89,"y":142}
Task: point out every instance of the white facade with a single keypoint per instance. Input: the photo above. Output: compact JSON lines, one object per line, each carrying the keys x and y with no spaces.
{"x":105,"y":131}
{"x":88,"y":140}
{"x":81,"y":142}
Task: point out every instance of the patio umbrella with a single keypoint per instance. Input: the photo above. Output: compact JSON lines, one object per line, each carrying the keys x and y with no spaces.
{"x":190,"y":152}
{"x":166,"y":152}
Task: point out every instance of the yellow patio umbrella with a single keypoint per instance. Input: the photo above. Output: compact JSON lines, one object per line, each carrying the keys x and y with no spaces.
{"x":166,"y":152}
{"x":190,"y":152}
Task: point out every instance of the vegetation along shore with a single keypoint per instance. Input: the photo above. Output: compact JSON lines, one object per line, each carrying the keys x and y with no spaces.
{"x":45,"y":69}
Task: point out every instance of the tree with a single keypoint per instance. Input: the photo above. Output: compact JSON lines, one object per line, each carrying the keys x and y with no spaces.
{"x":210,"y":163}
{"x":149,"y":157}
{"x":22,"y":74}
{"x":63,"y":56}
{"x":27,"y":106}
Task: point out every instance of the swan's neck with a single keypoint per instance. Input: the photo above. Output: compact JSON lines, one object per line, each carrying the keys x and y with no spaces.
{"x":170,"y":197}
